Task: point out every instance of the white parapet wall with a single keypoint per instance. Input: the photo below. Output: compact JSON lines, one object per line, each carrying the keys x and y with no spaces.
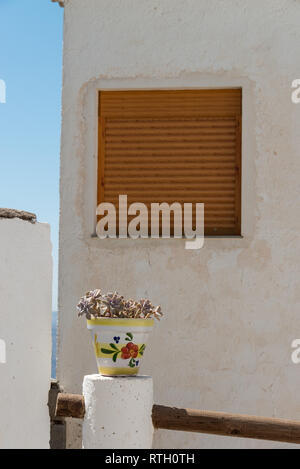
{"x":118,"y":412}
{"x":25,"y":333}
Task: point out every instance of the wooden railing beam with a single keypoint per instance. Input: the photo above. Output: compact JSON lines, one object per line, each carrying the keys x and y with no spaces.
{"x":70,"y":405}
{"x":200,"y":421}
{"x":225,"y":424}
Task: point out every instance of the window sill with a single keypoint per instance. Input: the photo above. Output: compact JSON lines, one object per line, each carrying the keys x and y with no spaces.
{"x":93,"y":236}
{"x":210,"y":242}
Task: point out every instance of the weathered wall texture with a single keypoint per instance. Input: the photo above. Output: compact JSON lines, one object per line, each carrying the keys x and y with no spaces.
{"x":25,"y":326}
{"x":232,"y":308}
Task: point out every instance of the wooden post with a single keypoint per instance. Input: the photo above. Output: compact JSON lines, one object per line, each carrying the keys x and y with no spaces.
{"x":70,"y":405}
{"x":220,"y":423}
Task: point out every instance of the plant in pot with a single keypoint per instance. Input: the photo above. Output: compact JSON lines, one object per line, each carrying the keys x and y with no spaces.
{"x":120,"y":330}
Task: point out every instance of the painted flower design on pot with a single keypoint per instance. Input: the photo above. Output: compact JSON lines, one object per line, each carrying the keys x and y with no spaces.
{"x":130,"y":351}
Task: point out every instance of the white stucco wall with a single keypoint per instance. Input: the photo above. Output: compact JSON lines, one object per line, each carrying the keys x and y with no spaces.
{"x":25,"y":328}
{"x":232,"y":308}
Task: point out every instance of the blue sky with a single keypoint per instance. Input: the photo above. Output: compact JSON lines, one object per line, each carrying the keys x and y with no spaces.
{"x":31,"y":66}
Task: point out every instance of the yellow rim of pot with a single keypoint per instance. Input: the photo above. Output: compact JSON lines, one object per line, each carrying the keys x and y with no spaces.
{"x":121,"y":322}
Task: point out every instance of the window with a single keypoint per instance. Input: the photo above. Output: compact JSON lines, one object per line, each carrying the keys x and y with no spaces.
{"x":173,"y":146}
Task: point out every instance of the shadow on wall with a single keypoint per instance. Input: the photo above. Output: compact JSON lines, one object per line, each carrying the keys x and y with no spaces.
{"x":54,"y":334}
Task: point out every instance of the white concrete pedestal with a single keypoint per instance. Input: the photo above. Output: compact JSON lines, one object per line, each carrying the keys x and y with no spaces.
{"x":118,"y":412}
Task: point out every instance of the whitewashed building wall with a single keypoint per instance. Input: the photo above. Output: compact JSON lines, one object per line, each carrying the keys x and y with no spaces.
{"x":232,"y":308}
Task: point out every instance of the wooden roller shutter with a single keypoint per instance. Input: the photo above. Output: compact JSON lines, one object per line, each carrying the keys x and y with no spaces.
{"x":173,"y":146}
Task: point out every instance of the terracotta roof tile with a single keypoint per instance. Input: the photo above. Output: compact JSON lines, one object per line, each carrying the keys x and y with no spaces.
{"x":12,"y":213}
{"x":60,"y":2}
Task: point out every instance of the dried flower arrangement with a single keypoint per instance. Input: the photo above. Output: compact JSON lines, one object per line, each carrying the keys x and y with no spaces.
{"x":112,"y":305}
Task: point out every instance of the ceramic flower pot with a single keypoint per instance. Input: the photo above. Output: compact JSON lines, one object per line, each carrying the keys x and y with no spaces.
{"x":119,"y":344}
